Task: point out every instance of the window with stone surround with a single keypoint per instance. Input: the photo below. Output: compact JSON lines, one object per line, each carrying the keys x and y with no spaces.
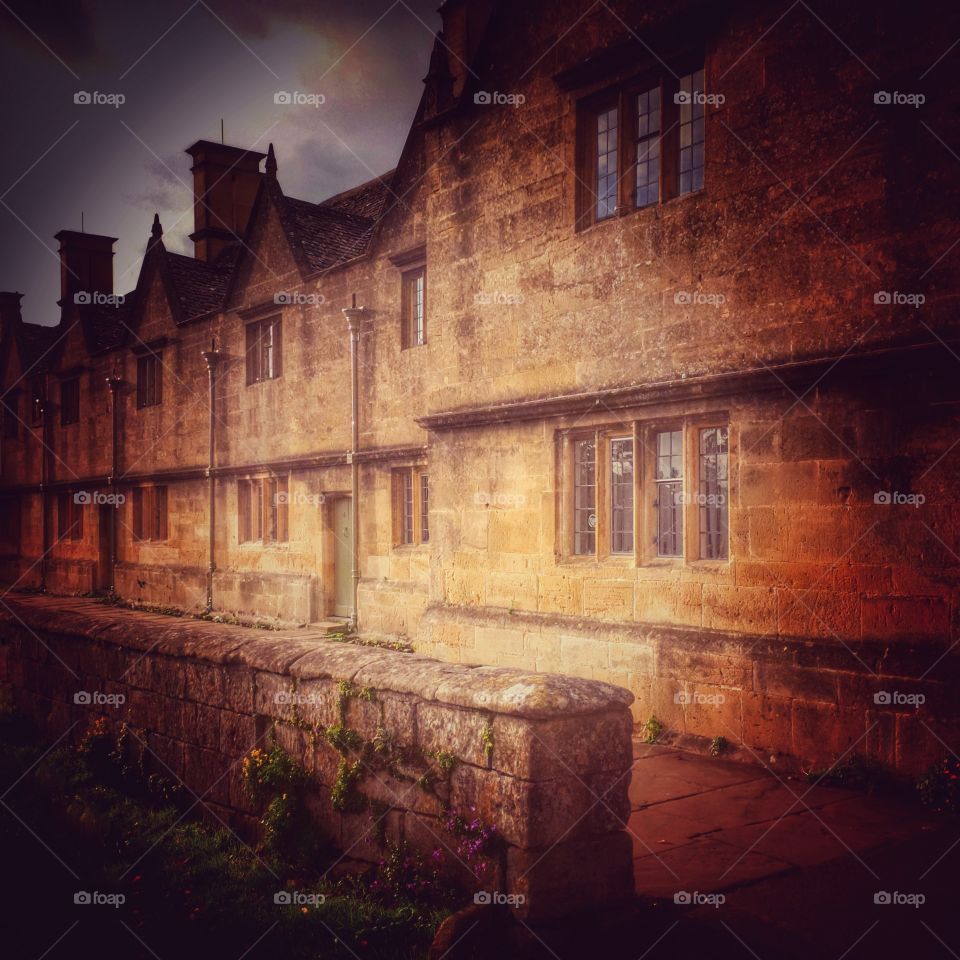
{"x":410,"y":493}
{"x":149,"y":380}
{"x":264,"y":350}
{"x":38,"y":397}
{"x":69,"y":401}
{"x":10,"y":508}
{"x":149,"y":505}
{"x":677,"y":472}
{"x":11,"y":416}
{"x":69,"y":516}
{"x":640,"y":144}
{"x":263,"y":510}
{"x":413,"y":307}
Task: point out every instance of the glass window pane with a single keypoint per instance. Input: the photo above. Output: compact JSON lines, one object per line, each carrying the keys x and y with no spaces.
{"x":669,"y":480}
{"x":606,"y":169}
{"x":647,"y":171}
{"x":621,"y":495}
{"x":691,"y":132}
{"x":713,"y":493}
{"x":585,"y":497}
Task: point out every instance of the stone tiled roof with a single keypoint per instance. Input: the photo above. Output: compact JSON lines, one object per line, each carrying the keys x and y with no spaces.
{"x":327,"y":235}
{"x":107,"y":325}
{"x":37,"y":343}
{"x":367,"y":200}
{"x":339,"y":228}
{"x":200,"y":286}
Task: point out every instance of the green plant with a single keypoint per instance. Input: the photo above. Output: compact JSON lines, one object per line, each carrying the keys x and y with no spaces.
{"x":343,"y":795}
{"x":193,"y":883}
{"x":719,"y":745}
{"x":445,"y":761}
{"x":652,"y":730}
{"x":856,"y":772}
{"x":342,"y":738}
{"x":274,"y":778}
{"x":486,"y":738}
{"x":939,"y":787}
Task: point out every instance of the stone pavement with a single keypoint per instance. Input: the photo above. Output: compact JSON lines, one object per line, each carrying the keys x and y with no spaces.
{"x":799,"y":866}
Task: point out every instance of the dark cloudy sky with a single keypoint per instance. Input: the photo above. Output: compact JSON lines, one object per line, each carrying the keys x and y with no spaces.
{"x":182,"y":65}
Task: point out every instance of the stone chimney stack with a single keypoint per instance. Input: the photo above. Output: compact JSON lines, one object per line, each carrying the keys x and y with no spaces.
{"x":9,"y":310}
{"x":86,"y":264}
{"x":225,"y":182}
{"x":464,"y":24}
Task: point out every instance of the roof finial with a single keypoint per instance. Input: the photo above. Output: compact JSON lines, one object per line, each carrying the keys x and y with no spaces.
{"x":271,"y":166}
{"x":156,"y":231}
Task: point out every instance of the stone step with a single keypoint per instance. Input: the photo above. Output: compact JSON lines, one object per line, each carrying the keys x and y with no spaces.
{"x":331,"y":626}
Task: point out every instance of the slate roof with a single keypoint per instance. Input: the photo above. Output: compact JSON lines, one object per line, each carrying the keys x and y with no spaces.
{"x":37,"y":342}
{"x":107,"y":326}
{"x":338,"y":229}
{"x":328,"y":236}
{"x":367,"y":200}
{"x":325,"y":234}
{"x":200,"y":286}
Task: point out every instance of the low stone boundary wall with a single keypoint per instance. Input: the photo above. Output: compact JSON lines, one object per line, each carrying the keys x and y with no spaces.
{"x":544,"y":759}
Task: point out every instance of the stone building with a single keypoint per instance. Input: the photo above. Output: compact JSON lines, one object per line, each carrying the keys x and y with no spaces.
{"x":656,"y":377}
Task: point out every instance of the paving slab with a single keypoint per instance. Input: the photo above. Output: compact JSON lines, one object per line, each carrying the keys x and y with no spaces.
{"x":672,"y":776}
{"x":753,"y":801}
{"x":705,"y":866}
{"x":709,"y":825}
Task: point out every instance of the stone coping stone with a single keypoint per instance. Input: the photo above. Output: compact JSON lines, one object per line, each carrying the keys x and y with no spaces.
{"x":307,"y":655}
{"x":276,"y":653}
{"x":330,"y":660}
{"x":527,"y":694}
{"x":409,"y":673}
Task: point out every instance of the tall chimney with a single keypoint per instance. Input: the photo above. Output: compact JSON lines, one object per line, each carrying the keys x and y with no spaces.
{"x":9,"y":311}
{"x":86,"y":264}
{"x":464,"y":24}
{"x":225,"y":182}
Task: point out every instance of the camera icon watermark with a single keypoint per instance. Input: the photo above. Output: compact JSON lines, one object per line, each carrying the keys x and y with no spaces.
{"x":898,"y":499}
{"x":87,"y":98}
{"x":86,"y":298}
{"x":886,"y":898}
{"x":498,"y":298}
{"x":497,"y":898}
{"x":298,"y":898}
{"x":297,"y":98}
{"x":299,"y":498}
{"x":696,"y":298}
{"x":496,"y":98}
{"x":687,"y":898}
{"x":690,"y":97}
{"x":87,"y":898}
{"x":287,"y":298}
{"x":96,"y":698}
{"x":687,"y":697}
{"x":487,"y":499}
{"x":894,"y":298}
{"x":85,"y":497}
{"x":898,"y":99}
{"x":894,"y":698}
{"x":293,"y":698}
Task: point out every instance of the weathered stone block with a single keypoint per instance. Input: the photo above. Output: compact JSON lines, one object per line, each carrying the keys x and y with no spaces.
{"x":541,"y":749}
{"x":459,"y":732}
{"x":571,"y":876}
